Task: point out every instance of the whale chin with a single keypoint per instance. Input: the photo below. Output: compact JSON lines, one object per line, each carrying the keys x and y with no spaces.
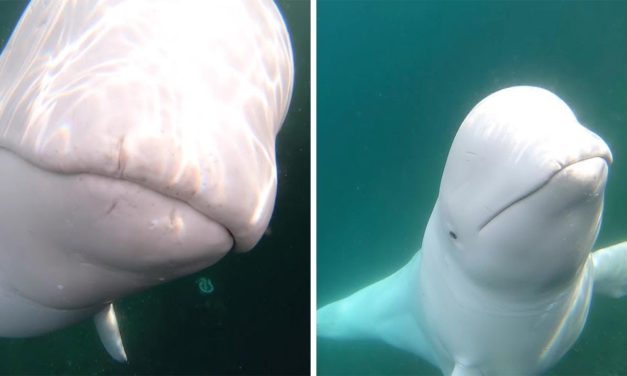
{"x":94,"y":230}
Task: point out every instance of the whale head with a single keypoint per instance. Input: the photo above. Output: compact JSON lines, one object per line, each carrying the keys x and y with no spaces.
{"x":137,"y":145}
{"x":521,"y":195}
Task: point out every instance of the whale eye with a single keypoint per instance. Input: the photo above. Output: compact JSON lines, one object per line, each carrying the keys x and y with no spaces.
{"x":452,"y":235}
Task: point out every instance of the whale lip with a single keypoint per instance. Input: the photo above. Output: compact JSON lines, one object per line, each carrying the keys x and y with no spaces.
{"x":604,"y":155}
{"x":176,"y":198}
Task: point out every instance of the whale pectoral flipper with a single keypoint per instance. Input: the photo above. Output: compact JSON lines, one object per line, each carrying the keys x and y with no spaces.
{"x":109,"y":333}
{"x":610,"y":270}
{"x":387,"y":310}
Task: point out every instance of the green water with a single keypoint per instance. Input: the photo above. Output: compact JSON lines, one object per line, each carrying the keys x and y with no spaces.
{"x":395,"y":80}
{"x":256,"y":321}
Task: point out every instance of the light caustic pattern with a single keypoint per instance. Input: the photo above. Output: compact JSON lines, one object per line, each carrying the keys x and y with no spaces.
{"x":177,"y":107}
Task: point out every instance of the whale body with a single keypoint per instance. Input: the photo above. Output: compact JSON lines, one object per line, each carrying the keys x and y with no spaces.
{"x":137,"y":145}
{"x":503,"y":281}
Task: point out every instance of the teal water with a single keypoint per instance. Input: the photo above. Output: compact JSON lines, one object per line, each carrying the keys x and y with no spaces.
{"x":256,"y":319}
{"x":395,"y":80}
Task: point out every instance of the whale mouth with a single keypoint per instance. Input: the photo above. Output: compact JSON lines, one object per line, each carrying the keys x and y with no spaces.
{"x":587,"y":175}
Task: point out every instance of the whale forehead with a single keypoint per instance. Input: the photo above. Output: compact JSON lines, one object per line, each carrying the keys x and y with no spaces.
{"x":185,"y":100}
{"x":510,"y":144}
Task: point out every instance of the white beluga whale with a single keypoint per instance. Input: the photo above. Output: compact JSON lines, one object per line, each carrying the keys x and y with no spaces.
{"x":137,"y":145}
{"x":503,"y":281}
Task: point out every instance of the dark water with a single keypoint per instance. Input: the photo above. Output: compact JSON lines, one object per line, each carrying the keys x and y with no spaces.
{"x":257,"y":319}
{"x":395,"y":80}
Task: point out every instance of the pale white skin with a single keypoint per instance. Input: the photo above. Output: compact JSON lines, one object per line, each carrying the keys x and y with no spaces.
{"x":136,"y":146}
{"x":503,"y":282}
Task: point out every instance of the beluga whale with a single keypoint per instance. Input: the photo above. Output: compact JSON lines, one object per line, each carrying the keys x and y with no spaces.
{"x":137,"y":145}
{"x":503,"y":281}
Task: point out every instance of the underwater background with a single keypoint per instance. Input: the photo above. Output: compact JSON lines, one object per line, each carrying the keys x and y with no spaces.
{"x":395,"y":81}
{"x":257,"y":318}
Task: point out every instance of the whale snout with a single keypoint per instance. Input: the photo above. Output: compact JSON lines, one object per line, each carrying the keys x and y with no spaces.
{"x":586,"y":172}
{"x":603,"y":151}
{"x":585,"y":178}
